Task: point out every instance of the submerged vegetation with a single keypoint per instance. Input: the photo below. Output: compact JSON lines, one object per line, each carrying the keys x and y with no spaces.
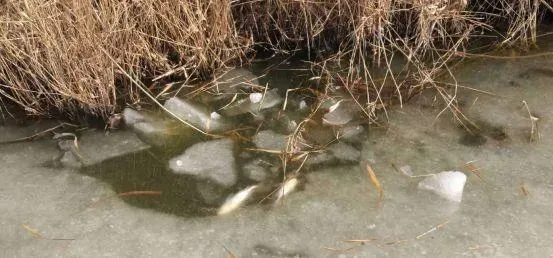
{"x":75,"y":56}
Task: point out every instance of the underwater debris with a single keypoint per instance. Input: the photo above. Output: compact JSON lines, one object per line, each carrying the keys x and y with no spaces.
{"x":287,"y":187}
{"x":237,"y":200}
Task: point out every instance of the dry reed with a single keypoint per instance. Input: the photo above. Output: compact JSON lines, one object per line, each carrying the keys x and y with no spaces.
{"x":53,"y":55}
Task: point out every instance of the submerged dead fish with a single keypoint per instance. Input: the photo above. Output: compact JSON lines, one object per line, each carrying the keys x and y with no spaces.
{"x":287,"y":187}
{"x":236,"y":201}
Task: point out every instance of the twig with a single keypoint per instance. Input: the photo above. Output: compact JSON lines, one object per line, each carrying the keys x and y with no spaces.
{"x":473,"y":169}
{"x":361,"y":241}
{"x":286,"y":98}
{"x":465,"y":54}
{"x":134,"y":193}
{"x":339,"y":250}
{"x":229,"y":252}
{"x":432,"y":230}
{"x":36,"y":135}
{"x":130,"y":193}
{"x":397,"y":242}
{"x":534,"y":121}
{"x":263,"y":97}
{"x":36,"y":234}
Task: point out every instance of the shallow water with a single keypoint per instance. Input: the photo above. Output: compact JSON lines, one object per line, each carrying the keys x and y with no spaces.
{"x":505,"y":211}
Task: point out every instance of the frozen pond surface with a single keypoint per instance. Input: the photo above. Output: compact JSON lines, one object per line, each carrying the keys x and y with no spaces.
{"x":506,"y":209}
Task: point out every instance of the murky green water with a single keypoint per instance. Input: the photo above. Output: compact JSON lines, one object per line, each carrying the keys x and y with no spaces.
{"x":144,"y":171}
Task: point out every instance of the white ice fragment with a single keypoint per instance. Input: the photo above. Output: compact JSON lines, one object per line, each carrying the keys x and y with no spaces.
{"x":215,"y":115}
{"x":131,"y":116}
{"x":303,"y":105}
{"x":256,"y":97}
{"x":448,"y":184}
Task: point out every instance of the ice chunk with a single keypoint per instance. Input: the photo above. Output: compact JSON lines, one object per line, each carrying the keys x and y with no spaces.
{"x":253,"y":104}
{"x":351,"y":133}
{"x":196,"y":115}
{"x":215,"y":115}
{"x":238,"y":107}
{"x":235,"y":79}
{"x":256,"y":97}
{"x":302,"y":105}
{"x":210,"y":193}
{"x":340,"y":113}
{"x":159,"y":133}
{"x":448,"y":184}
{"x":291,"y":126}
{"x":269,"y":140}
{"x":345,"y":153}
{"x":321,"y":135}
{"x":254,"y":171}
{"x":320,"y":159}
{"x":212,"y":160}
{"x":270,"y":99}
{"x":131,"y":116}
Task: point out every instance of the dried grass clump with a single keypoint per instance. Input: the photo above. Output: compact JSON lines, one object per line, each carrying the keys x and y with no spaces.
{"x":53,"y":54}
{"x":428,"y":34}
{"x":517,"y":19}
{"x":358,"y":34}
{"x":58,"y":55}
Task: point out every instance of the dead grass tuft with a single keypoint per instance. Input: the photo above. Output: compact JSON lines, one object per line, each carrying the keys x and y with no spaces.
{"x":53,"y":54}
{"x":57,"y":56}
